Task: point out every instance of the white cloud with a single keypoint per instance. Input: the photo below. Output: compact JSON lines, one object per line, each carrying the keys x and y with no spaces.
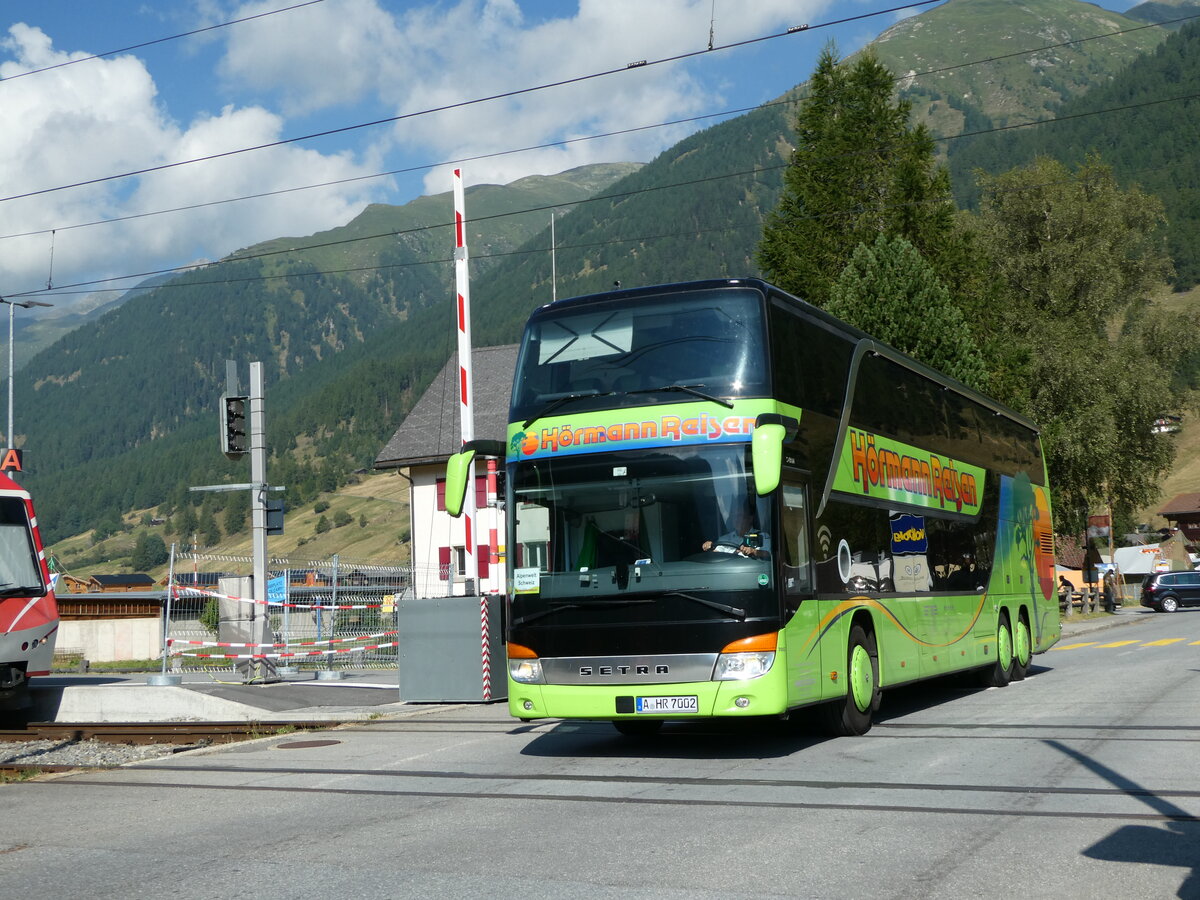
{"x":102,"y":117}
{"x":424,"y":57}
{"x":330,"y":65}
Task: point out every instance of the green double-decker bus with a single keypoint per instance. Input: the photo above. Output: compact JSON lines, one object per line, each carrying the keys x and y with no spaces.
{"x":724,"y":502}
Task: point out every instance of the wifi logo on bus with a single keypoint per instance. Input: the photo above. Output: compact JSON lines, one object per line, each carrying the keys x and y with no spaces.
{"x":824,"y":537}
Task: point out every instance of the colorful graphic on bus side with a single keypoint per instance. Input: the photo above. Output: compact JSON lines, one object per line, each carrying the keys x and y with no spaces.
{"x":635,"y":428}
{"x":884,"y":469}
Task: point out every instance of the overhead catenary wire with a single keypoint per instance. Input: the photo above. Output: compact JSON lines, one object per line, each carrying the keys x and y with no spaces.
{"x":96,"y":284}
{"x":910,"y":76}
{"x":516,"y":92}
{"x":162,"y":40}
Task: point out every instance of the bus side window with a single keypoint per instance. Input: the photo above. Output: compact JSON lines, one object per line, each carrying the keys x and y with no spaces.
{"x":797,"y":569}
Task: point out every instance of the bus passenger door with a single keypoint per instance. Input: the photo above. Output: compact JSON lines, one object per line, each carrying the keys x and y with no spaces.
{"x":798,"y":589}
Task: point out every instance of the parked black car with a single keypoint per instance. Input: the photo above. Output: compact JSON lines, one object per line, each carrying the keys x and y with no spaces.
{"x":1167,"y":591}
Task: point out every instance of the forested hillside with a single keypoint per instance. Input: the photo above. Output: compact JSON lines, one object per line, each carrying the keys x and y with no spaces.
{"x":1143,"y":124}
{"x":124,"y":410}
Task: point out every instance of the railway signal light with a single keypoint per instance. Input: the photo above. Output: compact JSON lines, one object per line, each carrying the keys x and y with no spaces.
{"x":234,"y":443}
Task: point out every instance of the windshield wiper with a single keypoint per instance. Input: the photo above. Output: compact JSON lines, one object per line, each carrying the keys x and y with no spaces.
{"x":621,"y":601}
{"x":692,"y":389}
{"x":712,"y":604}
{"x":22,"y":591}
{"x":559,"y":401}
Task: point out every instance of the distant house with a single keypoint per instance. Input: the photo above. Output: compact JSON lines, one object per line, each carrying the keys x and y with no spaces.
{"x":419,"y":450}
{"x":208,"y":581}
{"x":104,"y":584}
{"x":1183,"y":512}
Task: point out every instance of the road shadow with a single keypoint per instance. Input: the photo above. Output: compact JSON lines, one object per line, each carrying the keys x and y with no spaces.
{"x":1176,"y":843}
{"x":743,"y":738}
{"x":706,"y":739}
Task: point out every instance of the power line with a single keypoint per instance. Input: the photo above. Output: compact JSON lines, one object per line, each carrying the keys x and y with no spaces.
{"x":161,"y":40}
{"x":598,"y":198}
{"x":638,"y":64}
{"x":94,"y":285}
{"x":403,"y":171}
{"x":565,"y":142}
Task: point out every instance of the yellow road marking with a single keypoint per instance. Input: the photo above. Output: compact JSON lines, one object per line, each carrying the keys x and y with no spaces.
{"x":1076,"y":646}
{"x":1122,"y":644}
{"x":1163,"y":642}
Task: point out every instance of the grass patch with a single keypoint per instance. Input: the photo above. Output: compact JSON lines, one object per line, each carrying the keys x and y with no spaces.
{"x":17,"y":777}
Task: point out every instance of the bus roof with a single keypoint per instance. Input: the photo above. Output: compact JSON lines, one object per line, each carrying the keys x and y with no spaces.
{"x":852,"y":333}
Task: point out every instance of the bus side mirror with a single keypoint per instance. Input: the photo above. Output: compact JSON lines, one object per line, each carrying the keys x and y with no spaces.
{"x":458,"y":468}
{"x":771,"y":431}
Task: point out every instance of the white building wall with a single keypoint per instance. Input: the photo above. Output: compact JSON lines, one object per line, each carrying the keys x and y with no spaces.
{"x":108,"y":640}
{"x":432,"y":529}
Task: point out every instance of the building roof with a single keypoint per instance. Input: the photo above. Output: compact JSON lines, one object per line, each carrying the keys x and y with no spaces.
{"x":121,"y":580}
{"x":431,"y":432}
{"x":1181,"y":505}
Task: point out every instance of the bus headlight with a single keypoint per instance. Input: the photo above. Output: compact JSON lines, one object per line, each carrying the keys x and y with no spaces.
{"x":743,"y":666}
{"x":524,"y":667}
{"x":526,"y":671}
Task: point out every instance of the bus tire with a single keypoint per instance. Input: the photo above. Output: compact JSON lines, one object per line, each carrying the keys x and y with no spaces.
{"x":851,"y":715}
{"x":1000,"y":672}
{"x":638,"y":727}
{"x":1022,"y":647}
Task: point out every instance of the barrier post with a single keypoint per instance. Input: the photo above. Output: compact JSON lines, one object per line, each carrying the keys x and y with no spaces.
{"x":163,"y":678}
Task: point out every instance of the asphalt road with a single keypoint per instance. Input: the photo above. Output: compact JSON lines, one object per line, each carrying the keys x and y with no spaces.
{"x":1078,"y":782}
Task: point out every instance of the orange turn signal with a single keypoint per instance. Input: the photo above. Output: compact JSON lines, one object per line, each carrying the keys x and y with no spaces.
{"x":755,"y":643}
{"x":516,"y":651}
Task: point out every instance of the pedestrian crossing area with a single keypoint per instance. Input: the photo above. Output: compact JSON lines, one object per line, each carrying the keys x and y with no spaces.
{"x":1110,"y":645}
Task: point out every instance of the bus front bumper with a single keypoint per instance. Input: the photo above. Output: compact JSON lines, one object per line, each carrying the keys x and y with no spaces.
{"x":762,"y":696}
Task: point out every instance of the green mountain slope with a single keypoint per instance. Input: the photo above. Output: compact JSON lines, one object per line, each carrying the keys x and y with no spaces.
{"x":123,"y":410}
{"x":939,"y":54}
{"x":1164,"y":11}
{"x":1148,"y":139}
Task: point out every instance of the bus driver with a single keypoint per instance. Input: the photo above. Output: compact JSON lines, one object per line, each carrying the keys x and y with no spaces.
{"x":741,"y":538}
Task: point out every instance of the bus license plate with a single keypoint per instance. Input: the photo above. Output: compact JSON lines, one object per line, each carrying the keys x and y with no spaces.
{"x":659,"y":705}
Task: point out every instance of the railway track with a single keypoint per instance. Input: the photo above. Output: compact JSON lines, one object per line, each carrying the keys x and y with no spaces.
{"x":177,"y":734}
{"x":155,"y":732}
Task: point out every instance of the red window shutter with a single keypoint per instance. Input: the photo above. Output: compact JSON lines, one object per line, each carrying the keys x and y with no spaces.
{"x":441,"y":494}
{"x":444,"y":563}
{"x":483,"y":553}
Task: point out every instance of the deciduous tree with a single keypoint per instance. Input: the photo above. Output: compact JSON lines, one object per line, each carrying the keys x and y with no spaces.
{"x":1077,"y":258}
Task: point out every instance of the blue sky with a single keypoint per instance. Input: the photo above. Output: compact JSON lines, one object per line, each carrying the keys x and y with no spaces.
{"x":330,"y":65}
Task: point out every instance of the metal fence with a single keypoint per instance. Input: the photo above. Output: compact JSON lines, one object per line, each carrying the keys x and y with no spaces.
{"x":323,"y":614}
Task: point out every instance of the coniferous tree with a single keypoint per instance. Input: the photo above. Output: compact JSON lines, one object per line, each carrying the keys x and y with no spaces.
{"x":891,"y":292}
{"x":859,"y":170}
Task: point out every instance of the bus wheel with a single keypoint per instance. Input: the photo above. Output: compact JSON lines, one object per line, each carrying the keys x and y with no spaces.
{"x":851,"y":714}
{"x":1022,"y":648}
{"x":638,"y":727}
{"x":1000,"y":672}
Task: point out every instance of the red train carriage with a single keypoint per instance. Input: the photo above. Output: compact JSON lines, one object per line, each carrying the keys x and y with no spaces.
{"x":28,"y":610}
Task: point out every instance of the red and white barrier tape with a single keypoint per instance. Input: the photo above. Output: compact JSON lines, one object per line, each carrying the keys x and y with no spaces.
{"x":342,"y":640}
{"x":285,"y":655}
{"x":274,"y":604}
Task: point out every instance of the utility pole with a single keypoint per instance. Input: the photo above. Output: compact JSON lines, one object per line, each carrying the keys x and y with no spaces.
{"x":258,"y":480}
{"x":239,"y":436}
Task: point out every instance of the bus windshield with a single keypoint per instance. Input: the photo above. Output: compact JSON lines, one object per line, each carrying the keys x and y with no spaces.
{"x":634,"y":351}
{"x":599,"y":528}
